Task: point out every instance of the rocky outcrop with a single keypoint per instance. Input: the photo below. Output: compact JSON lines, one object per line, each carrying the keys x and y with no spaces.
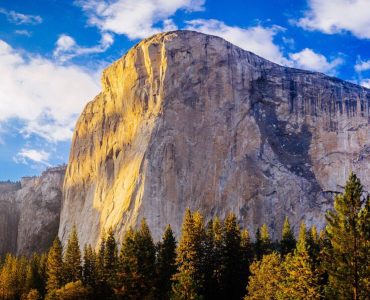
{"x":190,"y":120}
{"x":29,"y":212}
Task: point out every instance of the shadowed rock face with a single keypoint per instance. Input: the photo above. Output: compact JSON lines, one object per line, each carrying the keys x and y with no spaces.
{"x":190,"y":120}
{"x":29,"y":212}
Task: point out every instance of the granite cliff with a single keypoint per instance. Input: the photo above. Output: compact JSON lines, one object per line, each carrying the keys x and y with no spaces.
{"x":189,"y":120}
{"x":29,"y":212}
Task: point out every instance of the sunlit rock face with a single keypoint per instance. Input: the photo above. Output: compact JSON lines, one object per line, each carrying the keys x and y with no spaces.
{"x":29,"y":212}
{"x":189,"y":120}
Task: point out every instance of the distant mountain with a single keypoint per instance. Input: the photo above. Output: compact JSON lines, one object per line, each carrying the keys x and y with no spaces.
{"x":29,"y":212}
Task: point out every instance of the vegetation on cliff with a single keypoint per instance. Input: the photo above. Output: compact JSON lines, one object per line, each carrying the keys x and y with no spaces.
{"x":216,"y":260}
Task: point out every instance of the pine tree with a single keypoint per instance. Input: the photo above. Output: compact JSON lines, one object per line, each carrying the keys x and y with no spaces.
{"x":110,"y":259}
{"x":34,"y":278}
{"x":54,"y":267}
{"x":266,"y":277}
{"x":232,"y":279}
{"x":146,"y":260}
{"x":288,"y":242}
{"x":263,"y":242}
{"x":213,"y":245}
{"x":89,"y":272}
{"x":301,"y":281}
{"x":127,"y":265}
{"x":166,"y":264}
{"x":8,"y":278}
{"x":190,"y":256}
{"x":72,"y":258}
{"x":246,"y":256}
{"x":347,"y":259}
{"x":364,"y":223}
{"x":137,"y":264}
{"x":313,"y":246}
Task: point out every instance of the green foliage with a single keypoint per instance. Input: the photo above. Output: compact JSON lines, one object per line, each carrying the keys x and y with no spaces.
{"x":110,"y":259}
{"x":72,"y":258}
{"x":136,"y":272}
{"x":300,"y":281}
{"x":89,"y":271}
{"x":54,"y":267}
{"x":190,"y":255}
{"x":266,"y":277}
{"x":287,"y":243}
{"x":217,"y":261}
{"x":347,"y":258}
{"x":72,"y":291}
{"x":165,"y":264}
{"x":263,"y":244}
{"x":232,"y":282}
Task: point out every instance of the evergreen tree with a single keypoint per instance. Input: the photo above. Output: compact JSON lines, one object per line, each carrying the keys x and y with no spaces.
{"x":263,"y":242}
{"x":313,"y":246}
{"x":110,"y":259}
{"x":34,"y":278}
{"x":89,"y":267}
{"x":166,"y":264}
{"x":185,"y":288}
{"x":127,"y":267}
{"x":347,"y":258}
{"x":231,"y":273}
{"x":72,"y":258}
{"x":266,"y":277}
{"x":8,"y":278}
{"x":288,"y":242}
{"x":146,"y":260}
{"x":246,"y":256}
{"x":54,"y":267}
{"x":301,"y":281}
{"x":137,"y":264}
{"x":190,"y":256}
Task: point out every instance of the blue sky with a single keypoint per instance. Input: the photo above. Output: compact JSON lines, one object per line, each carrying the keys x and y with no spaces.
{"x":52,"y":53}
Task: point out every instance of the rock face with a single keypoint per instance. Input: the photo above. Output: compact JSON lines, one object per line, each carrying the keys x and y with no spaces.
{"x":190,"y":120}
{"x":29,"y":212}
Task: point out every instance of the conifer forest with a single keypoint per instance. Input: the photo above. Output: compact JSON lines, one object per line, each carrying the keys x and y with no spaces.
{"x":210,"y":260}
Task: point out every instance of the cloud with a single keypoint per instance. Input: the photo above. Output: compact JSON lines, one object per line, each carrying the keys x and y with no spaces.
{"x":365,"y":83}
{"x":23,"y":32}
{"x":336,"y":16}
{"x":258,"y":39}
{"x":24,"y":156}
{"x":67,"y":48}
{"x":44,"y":96}
{"x":21,"y":19}
{"x":136,"y":18}
{"x":362,"y":66}
{"x":309,"y":60}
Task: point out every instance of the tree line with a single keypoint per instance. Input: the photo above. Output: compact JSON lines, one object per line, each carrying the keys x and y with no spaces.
{"x":213,"y":260}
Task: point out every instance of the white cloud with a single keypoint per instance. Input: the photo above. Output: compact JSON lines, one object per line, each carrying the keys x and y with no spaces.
{"x":67,"y":48}
{"x":258,"y":39}
{"x":309,"y":60}
{"x":362,"y":66}
{"x":136,"y":18}
{"x":365,"y":83}
{"x":335,"y":16}
{"x":44,"y":96}
{"x":23,"y":32}
{"x":21,"y":19}
{"x":37,"y":156}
